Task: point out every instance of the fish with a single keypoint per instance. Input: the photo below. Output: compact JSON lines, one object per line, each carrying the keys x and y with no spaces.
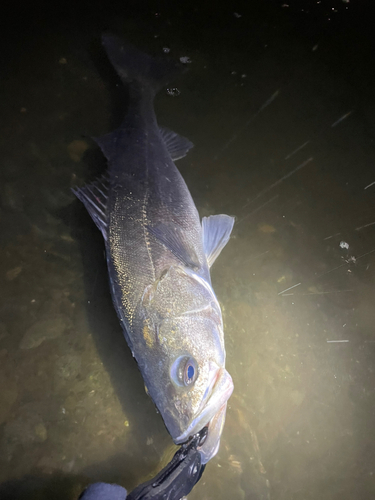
{"x":159,"y":254}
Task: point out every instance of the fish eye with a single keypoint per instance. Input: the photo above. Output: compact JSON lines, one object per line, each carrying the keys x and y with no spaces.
{"x":189,"y":373}
{"x":184,"y":371}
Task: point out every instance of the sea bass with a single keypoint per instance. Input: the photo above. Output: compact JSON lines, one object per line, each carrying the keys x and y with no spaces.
{"x":159,"y":256}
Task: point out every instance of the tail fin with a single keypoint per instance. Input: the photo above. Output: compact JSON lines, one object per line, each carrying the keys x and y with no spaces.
{"x":133,"y":65}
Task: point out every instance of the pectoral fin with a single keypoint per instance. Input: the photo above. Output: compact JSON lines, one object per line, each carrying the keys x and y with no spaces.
{"x":172,"y":237}
{"x":216,"y":234}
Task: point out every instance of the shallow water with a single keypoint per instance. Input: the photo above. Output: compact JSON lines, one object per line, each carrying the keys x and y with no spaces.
{"x":279,"y":104}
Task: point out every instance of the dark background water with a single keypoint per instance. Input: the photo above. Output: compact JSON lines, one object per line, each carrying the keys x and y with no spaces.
{"x":279,"y":103}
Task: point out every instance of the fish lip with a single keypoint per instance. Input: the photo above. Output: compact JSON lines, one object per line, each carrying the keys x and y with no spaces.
{"x":221,"y":392}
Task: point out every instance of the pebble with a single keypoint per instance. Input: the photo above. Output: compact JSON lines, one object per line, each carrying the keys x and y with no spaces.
{"x":13,"y":273}
{"x":76,"y":149}
{"x":40,"y":432}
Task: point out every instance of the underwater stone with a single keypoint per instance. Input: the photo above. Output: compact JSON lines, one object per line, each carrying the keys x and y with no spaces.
{"x":45,"y":329}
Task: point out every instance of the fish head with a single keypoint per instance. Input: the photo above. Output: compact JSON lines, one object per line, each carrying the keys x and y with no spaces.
{"x":194,"y":386}
{"x":185,"y":368}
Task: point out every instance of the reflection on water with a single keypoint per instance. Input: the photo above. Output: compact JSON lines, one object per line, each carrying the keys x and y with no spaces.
{"x":279,"y":104}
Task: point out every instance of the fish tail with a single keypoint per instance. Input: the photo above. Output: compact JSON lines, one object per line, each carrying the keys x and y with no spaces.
{"x":132,"y":65}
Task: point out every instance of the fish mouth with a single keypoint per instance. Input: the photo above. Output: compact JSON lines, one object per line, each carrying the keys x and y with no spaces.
{"x":211,"y":413}
{"x":211,"y":444}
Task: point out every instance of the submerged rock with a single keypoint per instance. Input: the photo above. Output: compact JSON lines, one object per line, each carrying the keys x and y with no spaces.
{"x":45,"y":329}
{"x":68,"y":366}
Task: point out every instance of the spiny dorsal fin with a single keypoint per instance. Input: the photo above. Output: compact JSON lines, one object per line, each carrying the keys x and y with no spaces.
{"x":216,"y":234}
{"x":177,"y":145}
{"x":94,"y":196}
